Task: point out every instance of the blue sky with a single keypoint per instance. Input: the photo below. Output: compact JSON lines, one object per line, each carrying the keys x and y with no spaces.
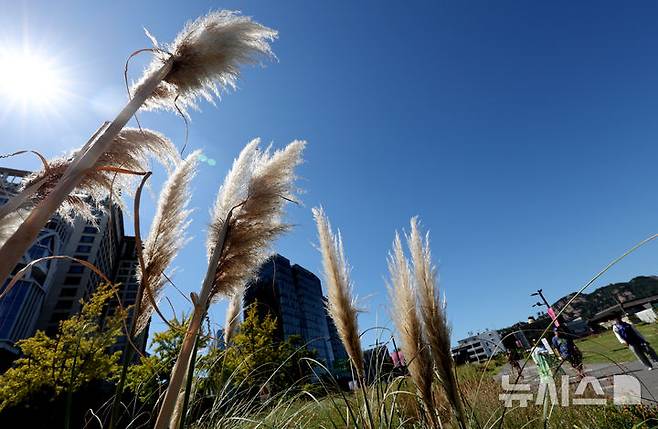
{"x":523,"y":134}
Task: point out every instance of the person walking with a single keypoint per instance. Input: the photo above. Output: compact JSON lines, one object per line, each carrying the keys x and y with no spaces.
{"x":513,"y":359}
{"x":568,"y":351}
{"x":629,"y":336}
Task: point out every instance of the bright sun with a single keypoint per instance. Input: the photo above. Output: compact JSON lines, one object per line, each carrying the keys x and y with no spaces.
{"x":29,"y":78}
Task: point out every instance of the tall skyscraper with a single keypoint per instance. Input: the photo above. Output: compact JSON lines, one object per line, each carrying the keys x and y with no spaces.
{"x":19,"y":310}
{"x":336,"y":344}
{"x":293,"y":295}
{"x":125,"y":274}
{"x":98,"y":244}
{"x":52,"y":290}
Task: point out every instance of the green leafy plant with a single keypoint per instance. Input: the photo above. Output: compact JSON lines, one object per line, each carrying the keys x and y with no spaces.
{"x":75,"y":356}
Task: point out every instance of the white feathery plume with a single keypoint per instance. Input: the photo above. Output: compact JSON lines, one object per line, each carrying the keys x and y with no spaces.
{"x":234,"y":189}
{"x":240,"y":237}
{"x":433,"y":314}
{"x":204,"y":58}
{"x":167,"y":235}
{"x":341,"y":304}
{"x":207,"y":56}
{"x":258,"y":187}
{"x":408,"y":324}
{"x":130,"y":151}
{"x":10,"y":223}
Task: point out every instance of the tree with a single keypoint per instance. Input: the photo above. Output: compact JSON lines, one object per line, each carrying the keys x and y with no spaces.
{"x":257,"y":356}
{"x":75,"y":356}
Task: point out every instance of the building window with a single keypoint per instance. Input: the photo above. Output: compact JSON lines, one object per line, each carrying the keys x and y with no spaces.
{"x":64,"y":305}
{"x":37,"y":252}
{"x":39,"y":276}
{"x":90,"y":230}
{"x":72,"y":280}
{"x":87,"y":239}
{"x":68,"y":291}
{"x":57,"y":317}
{"x":76,"y":269}
{"x":83,"y":249}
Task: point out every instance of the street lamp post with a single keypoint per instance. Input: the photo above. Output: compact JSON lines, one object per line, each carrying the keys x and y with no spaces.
{"x":550,"y":310}
{"x":541,"y":295}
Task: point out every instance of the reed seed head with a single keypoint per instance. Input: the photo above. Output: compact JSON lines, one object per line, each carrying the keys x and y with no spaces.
{"x":10,"y":223}
{"x":433,"y":314}
{"x":130,"y":151}
{"x":257,"y":189}
{"x":168,"y":233}
{"x":208,"y":54}
{"x":409,"y":326}
{"x":341,"y":302}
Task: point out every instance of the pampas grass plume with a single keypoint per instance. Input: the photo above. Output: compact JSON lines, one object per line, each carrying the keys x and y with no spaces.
{"x":257,"y":188}
{"x":341,"y":304}
{"x":9,"y":224}
{"x":130,"y":151}
{"x":207,"y":56}
{"x":433,"y":314}
{"x":167,"y":235}
{"x":239,"y":239}
{"x":408,"y":324}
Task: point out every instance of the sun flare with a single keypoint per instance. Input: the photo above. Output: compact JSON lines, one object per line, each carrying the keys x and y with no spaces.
{"x":30,"y":78}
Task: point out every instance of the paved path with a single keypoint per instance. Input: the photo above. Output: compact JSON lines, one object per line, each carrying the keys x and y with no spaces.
{"x":604,"y":373}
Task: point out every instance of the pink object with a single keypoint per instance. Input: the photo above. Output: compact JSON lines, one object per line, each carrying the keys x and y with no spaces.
{"x":398,"y":359}
{"x":551,"y":313}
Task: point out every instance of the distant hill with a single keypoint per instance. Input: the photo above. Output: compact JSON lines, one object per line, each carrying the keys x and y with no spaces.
{"x":588,"y":304}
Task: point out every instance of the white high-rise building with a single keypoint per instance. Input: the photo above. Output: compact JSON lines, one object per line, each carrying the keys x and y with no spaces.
{"x":20,"y":309}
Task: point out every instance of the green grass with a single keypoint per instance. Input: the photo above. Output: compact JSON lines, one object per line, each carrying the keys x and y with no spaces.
{"x":473,"y":371}
{"x":605,"y":348}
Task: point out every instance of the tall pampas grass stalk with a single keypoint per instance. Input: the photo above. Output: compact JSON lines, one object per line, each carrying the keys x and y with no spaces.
{"x":206,"y":55}
{"x":166,"y":238}
{"x":246,"y":218}
{"x":408,"y":324}
{"x":433,"y":315}
{"x":230,"y":329}
{"x":341,"y":302}
{"x":232,"y":321}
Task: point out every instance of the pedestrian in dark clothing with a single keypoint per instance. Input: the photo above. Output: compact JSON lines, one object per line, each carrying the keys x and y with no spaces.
{"x":629,"y":336}
{"x":568,"y":351}
{"x":513,"y":359}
